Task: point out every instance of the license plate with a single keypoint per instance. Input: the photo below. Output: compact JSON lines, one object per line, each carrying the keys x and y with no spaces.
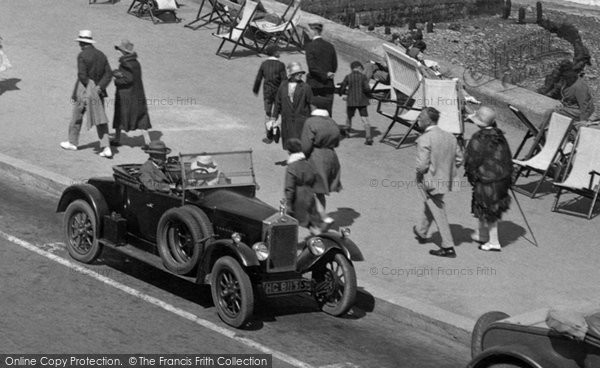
{"x":286,"y":286}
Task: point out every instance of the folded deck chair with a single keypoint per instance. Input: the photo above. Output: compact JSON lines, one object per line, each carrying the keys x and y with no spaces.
{"x":237,"y":32}
{"x":582,"y":175}
{"x":558,"y":129}
{"x":220,"y":11}
{"x":286,"y":31}
{"x":160,"y":11}
{"x":532,"y":132}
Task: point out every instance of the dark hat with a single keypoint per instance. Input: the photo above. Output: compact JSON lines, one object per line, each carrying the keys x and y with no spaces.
{"x":320,"y":102}
{"x":157,"y":147}
{"x":355,"y":64}
{"x":293,"y":145}
{"x":126,"y":46}
{"x":316,"y":26}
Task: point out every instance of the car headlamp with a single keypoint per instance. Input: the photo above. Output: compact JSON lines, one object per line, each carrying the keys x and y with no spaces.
{"x":236,"y":237}
{"x":345,"y":232}
{"x":316,"y":246}
{"x":261,"y":250}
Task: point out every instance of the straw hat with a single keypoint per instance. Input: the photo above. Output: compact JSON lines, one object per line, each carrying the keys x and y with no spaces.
{"x":85,"y":36}
{"x":204,"y":163}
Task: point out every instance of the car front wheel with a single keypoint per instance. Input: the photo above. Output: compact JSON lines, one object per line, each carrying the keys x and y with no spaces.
{"x":232,"y":292}
{"x":335,"y":284}
{"x":80,"y":232}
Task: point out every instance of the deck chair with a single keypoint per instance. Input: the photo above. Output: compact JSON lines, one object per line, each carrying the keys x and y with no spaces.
{"x":237,"y":32}
{"x":532,"y":132}
{"x":558,"y":130}
{"x":220,"y":11}
{"x":286,"y":31}
{"x":160,"y":11}
{"x":582,"y":175}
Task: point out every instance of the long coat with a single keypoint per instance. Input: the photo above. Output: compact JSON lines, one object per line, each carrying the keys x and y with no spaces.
{"x":131,"y":109}
{"x":300,"y":177}
{"x":293,"y":113}
{"x":320,"y":137}
{"x":321,"y":58}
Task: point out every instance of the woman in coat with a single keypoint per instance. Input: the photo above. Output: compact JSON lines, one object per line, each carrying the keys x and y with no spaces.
{"x":320,"y":137}
{"x":293,"y":103}
{"x":488,"y":167}
{"x":131,"y":109}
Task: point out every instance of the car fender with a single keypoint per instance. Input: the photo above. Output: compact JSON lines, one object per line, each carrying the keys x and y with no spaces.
{"x":509,"y":354}
{"x":88,"y":193}
{"x":222,"y":247}
{"x":334,"y":243}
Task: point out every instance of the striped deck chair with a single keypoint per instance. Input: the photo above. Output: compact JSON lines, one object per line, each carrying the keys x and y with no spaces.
{"x":160,"y":11}
{"x":285,"y":31}
{"x":558,"y":129}
{"x":582,"y":175}
{"x":237,"y":33}
{"x":220,"y":12}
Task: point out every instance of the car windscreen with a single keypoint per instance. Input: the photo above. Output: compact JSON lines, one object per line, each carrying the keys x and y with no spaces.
{"x":212,"y":169}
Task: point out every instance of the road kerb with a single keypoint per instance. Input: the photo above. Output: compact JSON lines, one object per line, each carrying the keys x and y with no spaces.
{"x":405,"y":310}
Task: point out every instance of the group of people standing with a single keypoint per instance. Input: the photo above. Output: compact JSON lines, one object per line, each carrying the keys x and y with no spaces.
{"x":93,"y":77}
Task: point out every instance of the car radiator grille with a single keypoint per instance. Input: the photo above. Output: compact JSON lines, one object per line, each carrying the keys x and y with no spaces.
{"x":283,"y":242}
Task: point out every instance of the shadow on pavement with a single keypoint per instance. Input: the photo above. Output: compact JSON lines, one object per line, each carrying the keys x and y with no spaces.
{"x":344,"y":216}
{"x":9,"y":84}
{"x":460,"y":234}
{"x":509,"y":232}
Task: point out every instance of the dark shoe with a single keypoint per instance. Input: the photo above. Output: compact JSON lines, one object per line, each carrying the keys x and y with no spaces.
{"x":419,"y":237}
{"x":115,"y":143}
{"x":444,"y":252}
{"x":267,"y":140}
{"x":369,"y":142}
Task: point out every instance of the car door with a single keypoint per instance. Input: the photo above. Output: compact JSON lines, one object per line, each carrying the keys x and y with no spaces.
{"x":145,"y":208}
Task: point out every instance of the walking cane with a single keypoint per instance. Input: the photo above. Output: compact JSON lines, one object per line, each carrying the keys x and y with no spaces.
{"x":524,"y":218}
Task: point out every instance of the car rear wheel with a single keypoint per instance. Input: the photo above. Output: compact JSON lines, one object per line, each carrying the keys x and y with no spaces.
{"x":335,"y":284}
{"x":80,"y":231}
{"x":232,"y":292}
{"x":178,"y":241}
{"x":480,"y":326}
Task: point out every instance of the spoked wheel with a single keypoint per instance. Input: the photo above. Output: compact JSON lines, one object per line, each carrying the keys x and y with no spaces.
{"x":178,"y":241}
{"x":80,"y":232}
{"x":232,"y":292}
{"x":335,"y":284}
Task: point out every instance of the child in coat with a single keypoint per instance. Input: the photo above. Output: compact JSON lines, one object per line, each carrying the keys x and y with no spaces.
{"x":273,"y":72}
{"x":358,"y":90}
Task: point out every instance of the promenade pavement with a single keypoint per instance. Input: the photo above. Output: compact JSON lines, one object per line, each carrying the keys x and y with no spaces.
{"x":202,"y":102}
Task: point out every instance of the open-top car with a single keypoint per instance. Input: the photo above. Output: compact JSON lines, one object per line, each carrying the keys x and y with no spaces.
{"x":527,"y":341}
{"x":211,"y":230}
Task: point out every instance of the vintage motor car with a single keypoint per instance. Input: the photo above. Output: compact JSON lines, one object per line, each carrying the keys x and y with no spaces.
{"x":526,"y":341}
{"x":211,"y":230}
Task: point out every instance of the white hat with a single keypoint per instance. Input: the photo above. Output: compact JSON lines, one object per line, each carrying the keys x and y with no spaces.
{"x":85,"y":36}
{"x":204,"y":163}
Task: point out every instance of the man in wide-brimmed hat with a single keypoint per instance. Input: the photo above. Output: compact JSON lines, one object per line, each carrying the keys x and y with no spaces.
{"x":131,"y":108}
{"x":93,"y":76}
{"x":152,"y":172}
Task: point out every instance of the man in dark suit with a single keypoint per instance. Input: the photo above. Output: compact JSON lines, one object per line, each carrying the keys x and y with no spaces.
{"x":438,"y":156}
{"x":152,"y":174}
{"x":322,"y":65}
{"x":92,"y":66}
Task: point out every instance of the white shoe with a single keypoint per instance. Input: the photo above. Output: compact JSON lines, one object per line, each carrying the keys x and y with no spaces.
{"x":489,"y":247}
{"x":106,"y":153}
{"x":68,"y":146}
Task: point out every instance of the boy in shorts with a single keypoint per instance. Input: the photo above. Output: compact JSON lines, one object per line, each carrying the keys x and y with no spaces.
{"x":356,"y":85}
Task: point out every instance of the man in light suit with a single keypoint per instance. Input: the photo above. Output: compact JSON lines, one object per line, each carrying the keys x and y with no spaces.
{"x":438,"y":157}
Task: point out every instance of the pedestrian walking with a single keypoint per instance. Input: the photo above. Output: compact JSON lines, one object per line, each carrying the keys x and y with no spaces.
{"x":93,"y":76}
{"x":321,"y":60}
{"x":131,"y":108}
{"x":273,"y":72}
{"x":356,"y":85}
{"x":320,"y":137}
{"x":292,"y":102}
{"x":438,"y":157}
{"x":300,"y":178}
{"x":488,"y":167}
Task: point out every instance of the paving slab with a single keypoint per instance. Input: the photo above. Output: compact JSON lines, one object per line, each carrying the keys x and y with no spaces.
{"x":202,"y":102}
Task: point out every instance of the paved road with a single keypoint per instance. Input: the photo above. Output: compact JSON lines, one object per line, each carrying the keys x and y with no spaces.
{"x":50,"y":308}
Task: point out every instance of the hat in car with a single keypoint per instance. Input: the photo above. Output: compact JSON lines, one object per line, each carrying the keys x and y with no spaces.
{"x":126,"y":46}
{"x":204,"y":163}
{"x":157,"y":147}
{"x":294,"y":68}
{"x":85,"y":36}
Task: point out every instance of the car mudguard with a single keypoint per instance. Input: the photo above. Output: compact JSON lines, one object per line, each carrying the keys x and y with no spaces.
{"x":515,"y":354}
{"x":91,"y":195}
{"x":333,"y":242}
{"x":222,"y":247}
